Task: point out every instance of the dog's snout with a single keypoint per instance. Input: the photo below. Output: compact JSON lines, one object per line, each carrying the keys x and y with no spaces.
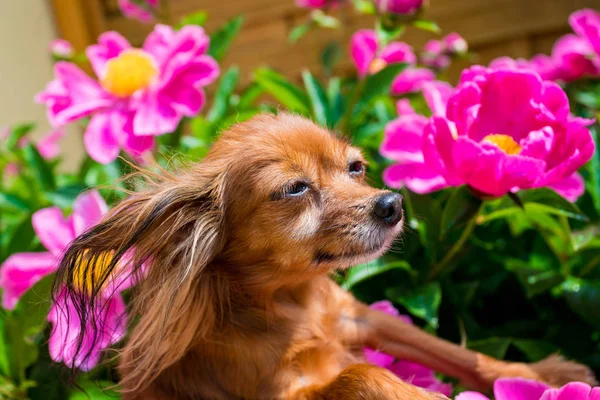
{"x":388,"y":208}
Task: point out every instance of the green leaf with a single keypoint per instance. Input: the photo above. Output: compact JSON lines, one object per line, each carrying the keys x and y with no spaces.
{"x":22,"y":237}
{"x":95,"y":391}
{"x":288,"y":94}
{"x":535,"y":350}
{"x":494,"y":347}
{"x":426,"y":25}
{"x":41,"y":169}
{"x":11,"y":201}
{"x":324,"y":21}
{"x":198,"y":18}
{"x":221,"y":40}
{"x":551,"y":202}
{"x":365,"y":7}
{"x":318,"y":99}
{"x":583,"y":297}
{"x":535,"y":280}
{"x":462,"y":206}
{"x":336,"y":100}
{"x":239,"y":117}
{"x":64,"y":196}
{"x":377,"y":85}
{"x":225,"y":90}
{"x":424,"y":215}
{"x":423,"y":302}
{"x":16,"y":133}
{"x":330,"y":56}
{"x":249,"y":96}
{"x":4,"y":349}
{"x":297,"y":32}
{"x":33,"y":307}
{"x":363,"y":272}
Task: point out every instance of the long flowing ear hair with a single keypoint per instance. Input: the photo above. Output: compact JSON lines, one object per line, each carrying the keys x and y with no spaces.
{"x":166,"y":234}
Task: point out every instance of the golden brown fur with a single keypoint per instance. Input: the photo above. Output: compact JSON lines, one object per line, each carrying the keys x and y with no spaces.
{"x":237,"y":303}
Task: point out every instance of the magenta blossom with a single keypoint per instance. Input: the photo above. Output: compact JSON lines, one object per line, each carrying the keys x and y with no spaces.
{"x":61,"y":48}
{"x":410,"y":372}
{"x":434,"y":55}
{"x":399,"y":6}
{"x":369,"y":58}
{"x":139,"y":93}
{"x":542,"y":64}
{"x":573,"y":56}
{"x":316,"y":4}
{"x":411,"y":80}
{"x":455,"y":43}
{"x":586,"y":23}
{"x":141,"y":10}
{"x":523,"y":389}
{"x":504,"y":130}
{"x":22,"y":270}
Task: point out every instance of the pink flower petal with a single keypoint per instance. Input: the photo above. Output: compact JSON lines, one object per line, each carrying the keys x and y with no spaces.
{"x":20,"y":272}
{"x":363,"y":48}
{"x":88,"y":210}
{"x":436,"y":96}
{"x":417,"y":177}
{"x":110,"y":45}
{"x":586,"y":23}
{"x":403,"y":107}
{"x":102,"y":135}
{"x":399,"y":52}
{"x":403,"y":139}
{"x":106,"y":327}
{"x":518,"y":389}
{"x":155,"y":116}
{"x":471,"y":396}
{"x":53,"y":229}
{"x":48,"y":146}
{"x":180,"y":47}
{"x":571,"y":188}
{"x":411,"y":80}
{"x":571,"y":391}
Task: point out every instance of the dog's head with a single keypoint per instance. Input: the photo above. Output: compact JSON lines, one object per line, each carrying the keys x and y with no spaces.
{"x":296,"y":198}
{"x":276,"y":201}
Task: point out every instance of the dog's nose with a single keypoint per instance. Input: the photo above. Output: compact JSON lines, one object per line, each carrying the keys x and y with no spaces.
{"x":388,"y":208}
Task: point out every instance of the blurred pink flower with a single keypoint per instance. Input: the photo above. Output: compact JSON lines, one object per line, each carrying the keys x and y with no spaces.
{"x":523,"y":389}
{"x":586,"y":23}
{"x":542,"y":64}
{"x":23,"y":270}
{"x":573,"y":56}
{"x":455,"y":43}
{"x":139,"y":92}
{"x":408,"y":371}
{"x":141,"y":10}
{"x":403,"y":142}
{"x":48,"y":145}
{"x":411,"y":80}
{"x":316,"y":4}
{"x":370,"y":59}
{"x":61,"y":48}
{"x":399,"y":6}
{"x":434,"y":55}
{"x":506,"y":130}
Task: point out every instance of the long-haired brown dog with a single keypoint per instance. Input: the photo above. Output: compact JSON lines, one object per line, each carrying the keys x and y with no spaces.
{"x":236,"y":302}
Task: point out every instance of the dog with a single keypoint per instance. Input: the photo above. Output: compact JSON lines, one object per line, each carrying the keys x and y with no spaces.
{"x":236,"y":300}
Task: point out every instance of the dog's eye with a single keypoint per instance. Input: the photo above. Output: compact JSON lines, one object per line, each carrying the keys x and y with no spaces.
{"x":296,"y":189}
{"x":356,"y":168}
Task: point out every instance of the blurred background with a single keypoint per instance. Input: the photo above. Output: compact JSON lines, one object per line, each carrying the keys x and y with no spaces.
{"x":493,"y":28}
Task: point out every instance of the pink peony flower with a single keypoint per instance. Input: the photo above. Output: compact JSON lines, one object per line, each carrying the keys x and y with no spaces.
{"x":141,"y":10}
{"x":455,"y":44}
{"x":139,"y":93}
{"x":542,"y":64}
{"x":369,"y":58}
{"x":48,"y":145}
{"x":403,"y":142}
{"x":523,"y":389}
{"x":573,"y":56}
{"x":434,"y":55}
{"x":411,"y":80}
{"x":316,"y":4}
{"x":61,"y":48}
{"x":586,"y":23}
{"x":504,"y":130}
{"x":23,"y":270}
{"x":399,"y":6}
{"x":410,"y":372}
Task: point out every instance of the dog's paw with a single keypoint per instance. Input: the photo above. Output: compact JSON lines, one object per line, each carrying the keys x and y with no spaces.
{"x":556,"y":371}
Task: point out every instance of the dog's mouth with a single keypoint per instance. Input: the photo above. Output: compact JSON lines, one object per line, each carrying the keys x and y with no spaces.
{"x":324,"y":257}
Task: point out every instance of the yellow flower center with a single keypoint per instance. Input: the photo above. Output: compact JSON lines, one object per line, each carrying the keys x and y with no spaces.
{"x":504,"y":142}
{"x":377,"y":65}
{"x":131,"y":71}
{"x":87,"y":276}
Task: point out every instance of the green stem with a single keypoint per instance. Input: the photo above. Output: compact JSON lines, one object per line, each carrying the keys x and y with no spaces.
{"x":347,"y":118}
{"x":455,"y":249}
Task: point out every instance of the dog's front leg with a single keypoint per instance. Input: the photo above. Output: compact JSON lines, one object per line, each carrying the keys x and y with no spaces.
{"x":393,"y":336}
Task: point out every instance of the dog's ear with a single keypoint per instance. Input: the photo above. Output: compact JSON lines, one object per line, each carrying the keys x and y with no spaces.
{"x":168,"y":234}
